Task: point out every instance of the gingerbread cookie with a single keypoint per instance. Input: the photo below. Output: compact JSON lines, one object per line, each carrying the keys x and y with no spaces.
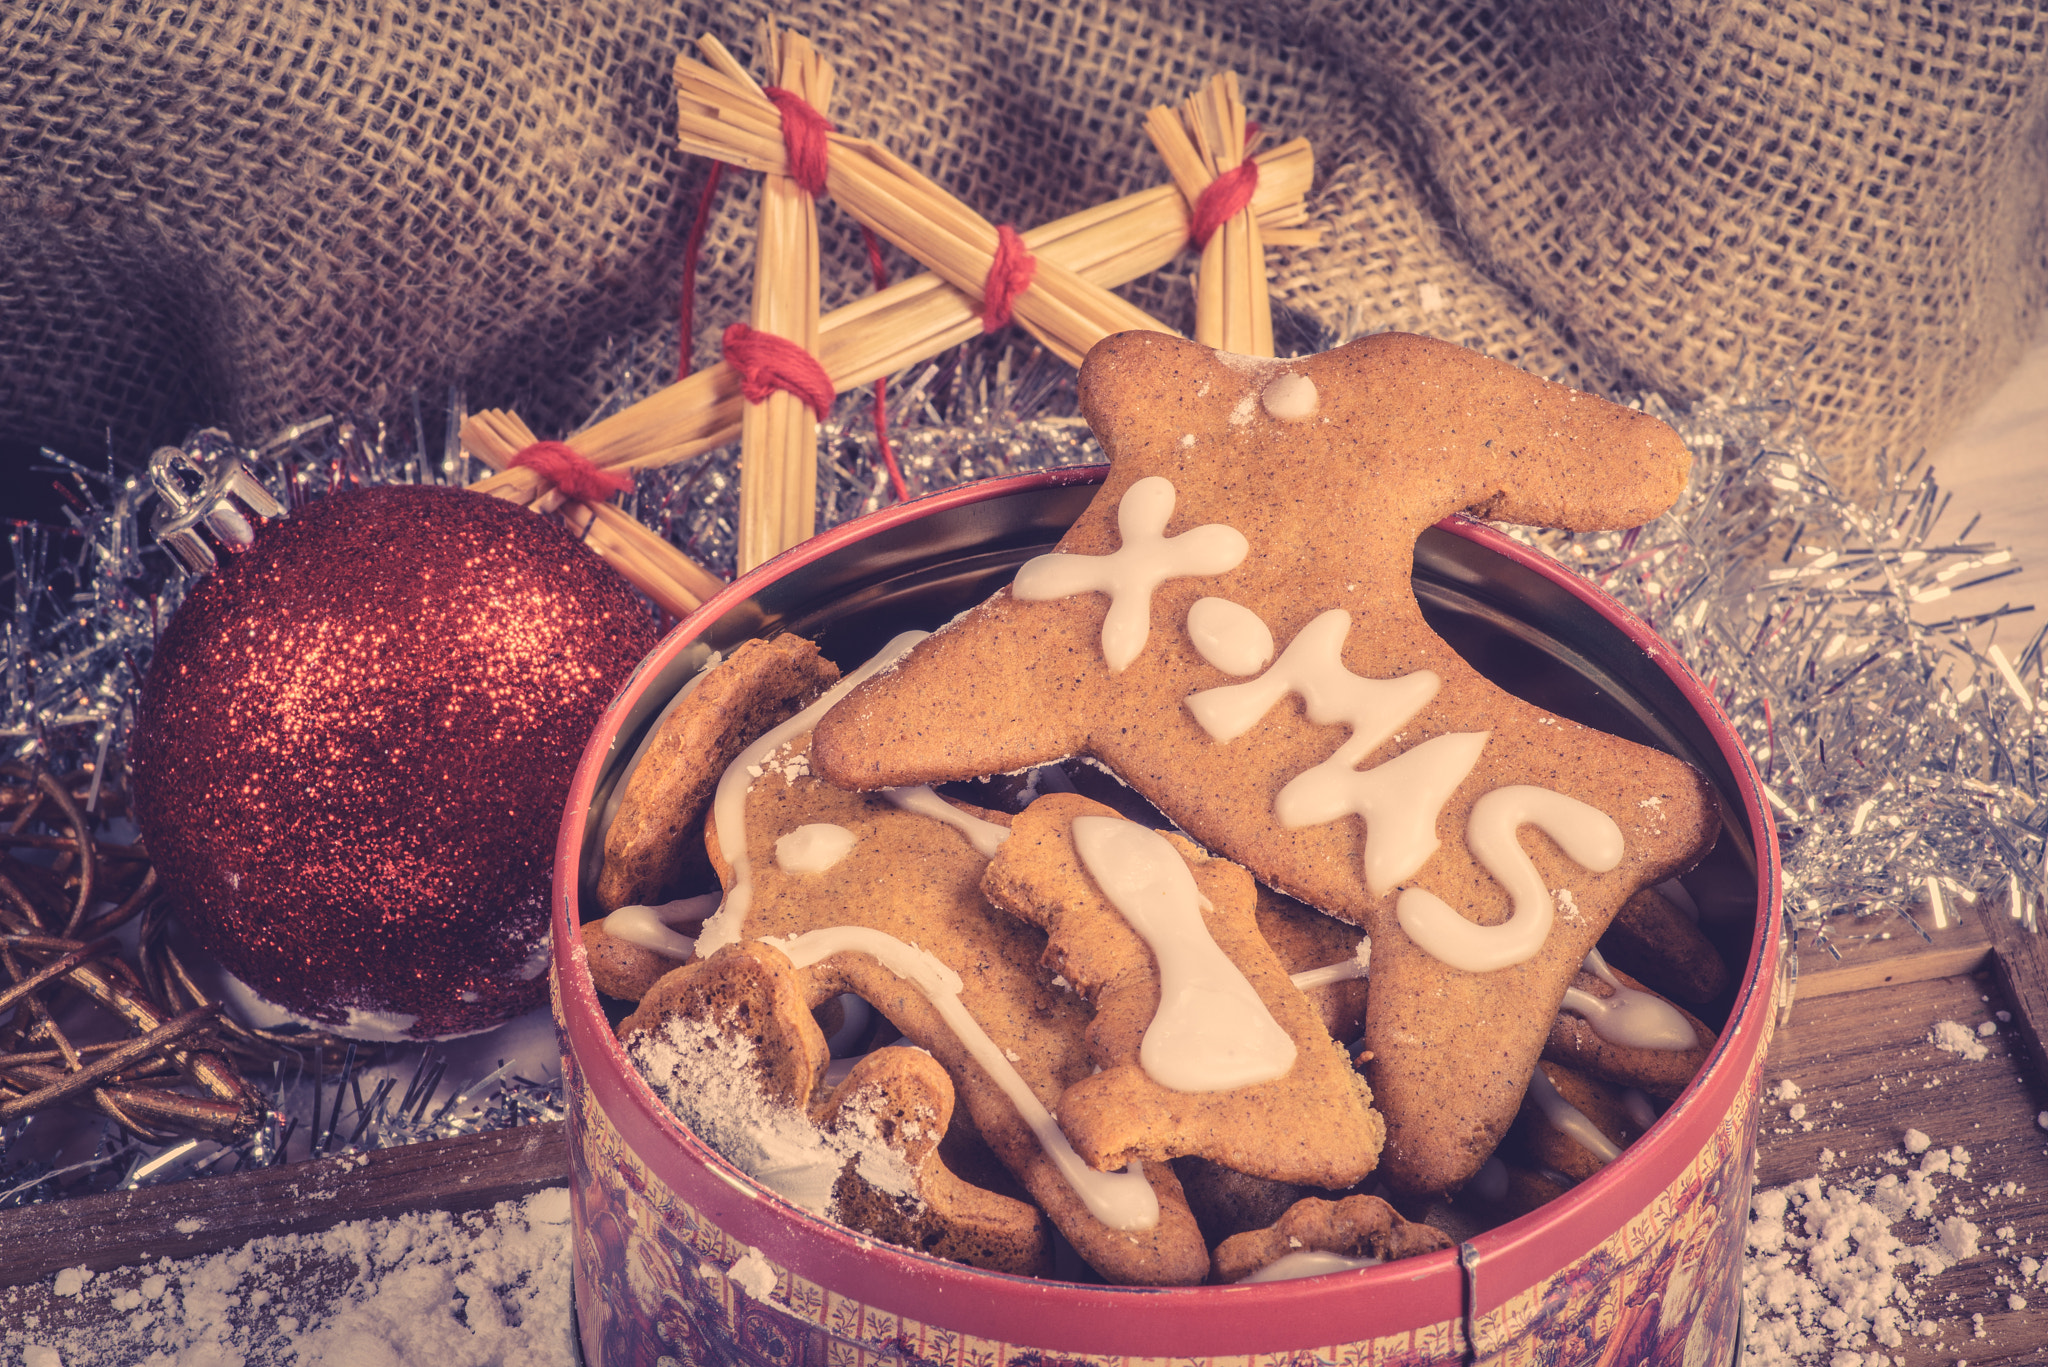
{"x":1614,"y":1029}
{"x":903,"y":1098}
{"x":628,"y":951}
{"x":1230,"y":627}
{"x":730,"y":1043}
{"x":1324,"y":957}
{"x":654,"y":839}
{"x":1316,"y":1237}
{"x":1228,"y":1202}
{"x":1573,"y":1124}
{"x":1204,"y":1046}
{"x":1662,"y":946}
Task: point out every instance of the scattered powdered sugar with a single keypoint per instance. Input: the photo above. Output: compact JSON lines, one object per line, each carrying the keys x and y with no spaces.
{"x":487,"y":1289}
{"x":708,"y":1078}
{"x":1957,"y":1038}
{"x":752,"y":1273}
{"x":1829,"y":1281}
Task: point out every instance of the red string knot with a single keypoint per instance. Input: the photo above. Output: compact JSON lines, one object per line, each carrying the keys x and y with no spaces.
{"x":1009,"y":275}
{"x":768,"y":363}
{"x":574,"y":473}
{"x":1225,"y":197}
{"x":803,"y":138}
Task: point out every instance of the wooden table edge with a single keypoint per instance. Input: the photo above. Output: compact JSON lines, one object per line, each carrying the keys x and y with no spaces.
{"x":208,"y":1214}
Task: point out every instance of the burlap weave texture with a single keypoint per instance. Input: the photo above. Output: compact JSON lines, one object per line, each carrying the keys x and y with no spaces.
{"x":251,"y":213}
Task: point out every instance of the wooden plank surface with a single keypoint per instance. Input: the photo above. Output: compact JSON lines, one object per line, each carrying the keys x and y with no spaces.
{"x":1882,"y":950}
{"x":1867,"y":1072}
{"x":207,"y":1214}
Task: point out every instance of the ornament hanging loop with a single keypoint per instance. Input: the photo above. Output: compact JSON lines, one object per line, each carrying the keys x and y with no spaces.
{"x":206,"y":489}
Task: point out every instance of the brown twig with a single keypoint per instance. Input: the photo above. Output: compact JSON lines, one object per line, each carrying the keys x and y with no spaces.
{"x":168,"y":981}
{"x":81,"y":833}
{"x":55,"y":969}
{"x":108,"y":1064}
{"x":52,"y":943}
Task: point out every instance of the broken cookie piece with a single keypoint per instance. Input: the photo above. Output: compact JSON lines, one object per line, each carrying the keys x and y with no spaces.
{"x":730,"y":1044}
{"x":1316,"y":1237}
{"x":1613,"y":1028}
{"x":902,"y":1098}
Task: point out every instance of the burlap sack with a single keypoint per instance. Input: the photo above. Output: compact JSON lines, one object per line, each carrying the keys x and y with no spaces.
{"x":252,"y":212}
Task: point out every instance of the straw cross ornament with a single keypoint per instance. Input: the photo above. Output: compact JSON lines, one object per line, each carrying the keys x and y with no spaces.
{"x":1054,"y":281}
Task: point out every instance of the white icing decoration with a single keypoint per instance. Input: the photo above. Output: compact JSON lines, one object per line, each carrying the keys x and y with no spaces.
{"x":1291,"y":397}
{"x":1359,"y":965}
{"x":729,"y":806}
{"x":985,"y":836}
{"x":1639,"y":1107}
{"x":1211,"y":1032}
{"x":1122,"y":1200}
{"x":1400,"y":800}
{"x":1307,"y":1262}
{"x":653,"y":927}
{"x":1230,"y":636}
{"x":813,"y":848}
{"x":1631,"y":1019}
{"x":1586,"y":834}
{"x":1568,"y":1119}
{"x":1130,"y":574}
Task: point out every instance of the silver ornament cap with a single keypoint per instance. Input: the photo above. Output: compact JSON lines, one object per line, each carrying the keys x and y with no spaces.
{"x":204,"y":487}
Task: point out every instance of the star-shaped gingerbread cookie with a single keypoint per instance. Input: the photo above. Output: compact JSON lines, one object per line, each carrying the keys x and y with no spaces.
{"x":1231,"y":629}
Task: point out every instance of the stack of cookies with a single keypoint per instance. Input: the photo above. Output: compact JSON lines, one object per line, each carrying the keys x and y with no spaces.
{"x":1249,"y":931}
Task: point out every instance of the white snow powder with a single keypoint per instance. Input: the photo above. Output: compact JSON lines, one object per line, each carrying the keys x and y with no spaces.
{"x":1957,"y":1038}
{"x":752,"y":1273}
{"x":1828,"y":1281}
{"x":708,"y":1079}
{"x":487,"y":1289}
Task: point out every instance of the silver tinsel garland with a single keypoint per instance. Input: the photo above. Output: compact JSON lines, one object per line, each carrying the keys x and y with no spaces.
{"x":1904,"y":757}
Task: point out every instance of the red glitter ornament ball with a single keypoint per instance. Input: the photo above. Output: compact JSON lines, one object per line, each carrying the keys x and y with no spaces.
{"x":354,"y":745}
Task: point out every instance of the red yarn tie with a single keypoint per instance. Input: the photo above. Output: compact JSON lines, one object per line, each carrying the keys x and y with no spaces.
{"x":768,"y":363}
{"x":803,"y":137}
{"x":880,"y":269}
{"x":1226,"y":196}
{"x":1009,"y":275}
{"x":686,"y":308}
{"x":574,"y":473}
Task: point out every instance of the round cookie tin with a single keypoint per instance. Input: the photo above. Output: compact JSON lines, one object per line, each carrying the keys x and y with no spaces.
{"x":680,"y":1257}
